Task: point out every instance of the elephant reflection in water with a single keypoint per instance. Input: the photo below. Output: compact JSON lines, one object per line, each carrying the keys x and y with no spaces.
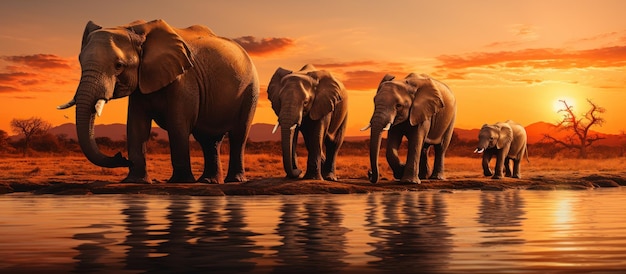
{"x":175,"y":250}
{"x":501,"y":213}
{"x":94,"y":255}
{"x":313,"y":238}
{"x":413,"y":236}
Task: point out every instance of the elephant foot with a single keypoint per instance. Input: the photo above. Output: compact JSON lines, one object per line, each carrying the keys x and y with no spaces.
{"x":295,"y":175}
{"x":438,"y":176}
{"x":237,"y":178}
{"x":312,"y":176}
{"x":181,"y":179}
{"x":331,"y":177}
{"x":398,"y":172}
{"x":410,"y":181}
{"x":210,"y":181}
{"x":137,"y":179}
{"x":371,"y":177}
{"x":487,"y":173}
{"x":496,"y":177}
{"x":508,"y":174}
{"x":517,"y":176}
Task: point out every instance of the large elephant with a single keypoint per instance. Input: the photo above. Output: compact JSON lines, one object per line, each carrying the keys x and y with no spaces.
{"x":189,"y":81}
{"x":315,"y":103}
{"x":507,"y":141}
{"x":420,"y":108}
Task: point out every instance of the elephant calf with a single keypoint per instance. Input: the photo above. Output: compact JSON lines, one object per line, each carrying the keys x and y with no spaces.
{"x":315,"y":103}
{"x":507,"y":141}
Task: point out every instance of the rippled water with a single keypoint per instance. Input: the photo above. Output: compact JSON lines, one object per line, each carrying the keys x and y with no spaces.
{"x":426,"y":232}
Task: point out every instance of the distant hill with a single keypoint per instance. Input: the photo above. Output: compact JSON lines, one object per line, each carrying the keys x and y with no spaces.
{"x":113,"y":131}
{"x":536,"y":132}
{"x":263,"y":132}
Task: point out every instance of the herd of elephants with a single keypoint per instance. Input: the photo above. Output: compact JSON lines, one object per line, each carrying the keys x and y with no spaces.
{"x":192,"y":82}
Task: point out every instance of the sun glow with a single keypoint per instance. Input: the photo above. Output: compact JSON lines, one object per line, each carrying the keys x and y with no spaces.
{"x":558,"y":103}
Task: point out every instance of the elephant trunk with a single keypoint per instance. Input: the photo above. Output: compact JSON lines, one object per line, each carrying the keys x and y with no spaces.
{"x":85,"y":118}
{"x":287,"y":141}
{"x":376,"y":135}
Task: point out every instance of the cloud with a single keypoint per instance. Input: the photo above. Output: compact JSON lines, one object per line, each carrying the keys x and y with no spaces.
{"x":538,"y":58}
{"x":39,"y":72}
{"x":40,"y":61}
{"x":364,"y":74}
{"x":345,"y":64}
{"x":362,"y":79}
{"x":263,"y":46}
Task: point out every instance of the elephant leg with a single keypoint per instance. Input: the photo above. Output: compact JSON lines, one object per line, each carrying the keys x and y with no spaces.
{"x":179,"y":150}
{"x":440,"y":153}
{"x":138,"y":133}
{"x":415,"y":138}
{"x":238,"y":136}
{"x":332,"y":150}
{"x":212,"y":173}
{"x":394,"y":139}
{"x":424,"y":169}
{"x":500,"y":157}
{"x":438,"y":165}
{"x":237,"y":139}
{"x":486,"y":159}
{"x":516,"y":168}
{"x":507,"y":167}
{"x":313,"y":139}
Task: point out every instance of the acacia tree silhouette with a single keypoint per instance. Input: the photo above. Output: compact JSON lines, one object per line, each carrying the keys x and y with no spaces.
{"x":579,"y":127}
{"x":30,"y":127}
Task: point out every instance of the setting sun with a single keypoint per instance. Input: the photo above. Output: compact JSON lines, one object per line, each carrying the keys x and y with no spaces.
{"x":558,"y":103}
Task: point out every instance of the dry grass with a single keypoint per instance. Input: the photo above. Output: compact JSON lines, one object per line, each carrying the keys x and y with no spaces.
{"x":263,"y":166}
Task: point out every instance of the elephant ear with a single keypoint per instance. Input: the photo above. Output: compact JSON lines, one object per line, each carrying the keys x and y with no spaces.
{"x":327,"y":93}
{"x":506,"y":135}
{"x":89,"y":28}
{"x":164,"y":56}
{"x":274,"y":87}
{"x":388,"y":77}
{"x":428,"y":99}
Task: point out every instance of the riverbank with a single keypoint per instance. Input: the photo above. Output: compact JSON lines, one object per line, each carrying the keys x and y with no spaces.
{"x":76,"y":176}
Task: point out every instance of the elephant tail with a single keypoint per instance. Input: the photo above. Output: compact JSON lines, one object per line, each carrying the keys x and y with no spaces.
{"x":526,"y":154}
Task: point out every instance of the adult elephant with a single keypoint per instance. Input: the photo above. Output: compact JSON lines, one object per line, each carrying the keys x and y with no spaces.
{"x":420,"y":108}
{"x":315,"y":103}
{"x":189,"y":81}
{"x":507,"y":141}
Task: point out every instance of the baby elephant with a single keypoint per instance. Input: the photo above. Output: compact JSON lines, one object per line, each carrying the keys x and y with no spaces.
{"x":507,"y":141}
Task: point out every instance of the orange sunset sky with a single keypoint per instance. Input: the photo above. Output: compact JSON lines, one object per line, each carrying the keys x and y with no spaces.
{"x":502,"y":59}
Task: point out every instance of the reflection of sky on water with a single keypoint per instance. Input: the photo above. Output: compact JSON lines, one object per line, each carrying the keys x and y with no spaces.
{"x":469,"y":231}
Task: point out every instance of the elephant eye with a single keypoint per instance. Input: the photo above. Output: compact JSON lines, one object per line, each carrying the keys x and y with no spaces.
{"x":119,"y":65}
{"x":398,"y":105}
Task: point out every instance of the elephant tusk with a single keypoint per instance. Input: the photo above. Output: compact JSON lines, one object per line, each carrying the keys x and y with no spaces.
{"x":275,"y":128}
{"x":366,"y":127}
{"x":387,"y":127}
{"x":479,"y":150}
{"x":293,"y":127}
{"x":100,"y":106}
{"x":69,"y":104}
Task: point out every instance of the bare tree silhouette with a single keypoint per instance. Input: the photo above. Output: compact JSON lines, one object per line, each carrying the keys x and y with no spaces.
{"x":579,"y":127}
{"x":30,"y":127}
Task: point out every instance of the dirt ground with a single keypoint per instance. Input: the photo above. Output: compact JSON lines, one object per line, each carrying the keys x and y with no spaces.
{"x":75,"y":175}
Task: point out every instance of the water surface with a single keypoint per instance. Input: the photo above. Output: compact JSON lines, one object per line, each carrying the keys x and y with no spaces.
{"x":514,"y":231}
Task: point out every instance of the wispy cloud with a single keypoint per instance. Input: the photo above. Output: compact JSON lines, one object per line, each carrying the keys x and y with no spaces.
{"x":39,"y":72}
{"x":522,"y":34}
{"x":538,"y":58}
{"x":264,"y":46}
{"x":364,"y":74}
{"x":40,"y":61}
